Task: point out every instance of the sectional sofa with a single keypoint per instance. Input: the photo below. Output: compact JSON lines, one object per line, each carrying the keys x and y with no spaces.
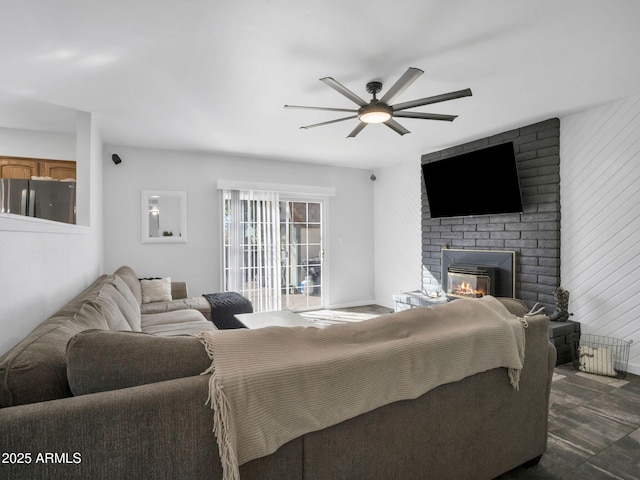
{"x":36,"y":369}
{"x":102,"y":390}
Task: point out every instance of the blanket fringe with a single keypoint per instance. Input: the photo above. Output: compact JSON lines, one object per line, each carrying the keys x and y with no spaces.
{"x":514,"y":377}
{"x":220,"y":407}
{"x":514,"y":373}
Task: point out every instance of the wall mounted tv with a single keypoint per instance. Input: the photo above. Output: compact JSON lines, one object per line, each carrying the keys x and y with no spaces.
{"x":482,"y":182}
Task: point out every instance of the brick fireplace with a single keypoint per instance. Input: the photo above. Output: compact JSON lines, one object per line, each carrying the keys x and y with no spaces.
{"x":534,"y":235}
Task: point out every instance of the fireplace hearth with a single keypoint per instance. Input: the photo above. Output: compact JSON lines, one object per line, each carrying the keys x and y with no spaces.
{"x":476,"y":273}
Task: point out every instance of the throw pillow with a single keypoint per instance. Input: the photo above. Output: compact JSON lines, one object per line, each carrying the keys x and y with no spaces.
{"x":158,"y":290}
{"x":597,"y":360}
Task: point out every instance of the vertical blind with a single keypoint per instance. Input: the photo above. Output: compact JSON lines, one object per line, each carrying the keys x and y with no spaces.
{"x":252,"y":246}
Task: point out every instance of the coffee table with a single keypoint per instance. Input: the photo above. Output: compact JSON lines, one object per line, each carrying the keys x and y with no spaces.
{"x":281,"y":318}
{"x":287,"y":318}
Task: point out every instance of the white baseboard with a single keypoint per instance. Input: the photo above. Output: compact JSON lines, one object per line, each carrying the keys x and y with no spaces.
{"x":633,"y":368}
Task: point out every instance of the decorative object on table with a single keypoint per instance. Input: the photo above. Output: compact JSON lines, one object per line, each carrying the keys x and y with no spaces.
{"x":561,"y":313}
{"x":535,"y":310}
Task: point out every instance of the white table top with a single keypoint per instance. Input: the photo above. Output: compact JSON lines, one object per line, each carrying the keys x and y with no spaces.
{"x":281,"y":318}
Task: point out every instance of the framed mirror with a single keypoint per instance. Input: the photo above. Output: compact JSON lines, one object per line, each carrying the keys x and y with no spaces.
{"x":163,"y":216}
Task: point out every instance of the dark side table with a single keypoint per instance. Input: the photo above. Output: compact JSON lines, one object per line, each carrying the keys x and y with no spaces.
{"x":559,"y":335}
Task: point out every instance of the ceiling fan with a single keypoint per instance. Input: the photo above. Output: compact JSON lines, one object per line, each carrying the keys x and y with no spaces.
{"x":381,"y":110}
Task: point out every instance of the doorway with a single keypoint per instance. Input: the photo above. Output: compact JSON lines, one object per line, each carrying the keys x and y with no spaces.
{"x":301,"y":254}
{"x":273,"y":250}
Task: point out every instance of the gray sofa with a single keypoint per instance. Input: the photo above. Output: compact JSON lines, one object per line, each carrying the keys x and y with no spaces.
{"x":35,"y":369}
{"x":134,"y":408}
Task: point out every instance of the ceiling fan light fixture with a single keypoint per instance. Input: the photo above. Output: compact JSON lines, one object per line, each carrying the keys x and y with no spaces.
{"x":375,"y":117}
{"x":375,"y":113}
{"x":385,"y":110}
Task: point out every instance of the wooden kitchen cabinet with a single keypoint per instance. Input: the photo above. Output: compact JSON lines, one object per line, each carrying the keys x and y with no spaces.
{"x":25,"y":168}
{"x":58,"y":169}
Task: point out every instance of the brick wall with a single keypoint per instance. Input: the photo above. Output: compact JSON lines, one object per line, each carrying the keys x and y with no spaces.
{"x":534,"y":234}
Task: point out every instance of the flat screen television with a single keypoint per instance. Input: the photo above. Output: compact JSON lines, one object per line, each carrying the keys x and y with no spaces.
{"x":482,"y":182}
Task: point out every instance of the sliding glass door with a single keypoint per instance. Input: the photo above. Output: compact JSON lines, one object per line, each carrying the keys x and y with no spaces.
{"x":273,"y":250}
{"x":301,"y":254}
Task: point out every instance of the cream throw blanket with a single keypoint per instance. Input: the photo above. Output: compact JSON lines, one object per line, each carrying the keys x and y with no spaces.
{"x":271,"y":385}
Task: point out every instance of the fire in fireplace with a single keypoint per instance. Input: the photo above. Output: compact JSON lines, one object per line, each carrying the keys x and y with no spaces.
{"x":475,"y":281}
{"x":475,"y":273}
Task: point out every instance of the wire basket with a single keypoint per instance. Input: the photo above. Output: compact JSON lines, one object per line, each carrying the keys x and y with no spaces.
{"x":600,"y":355}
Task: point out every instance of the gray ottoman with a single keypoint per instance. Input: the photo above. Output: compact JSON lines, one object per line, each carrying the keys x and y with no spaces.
{"x":224,"y":306}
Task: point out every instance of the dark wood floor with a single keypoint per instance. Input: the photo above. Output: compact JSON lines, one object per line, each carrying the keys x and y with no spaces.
{"x":375,"y":309}
{"x":594,"y":429}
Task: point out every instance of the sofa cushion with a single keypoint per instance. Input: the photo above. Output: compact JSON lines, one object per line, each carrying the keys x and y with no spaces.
{"x":197,"y":303}
{"x":131,"y":279}
{"x":181,"y":328}
{"x":178,"y":322}
{"x":127,"y":303}
{"x":156,"y":290}
{"x":108,"y":302}
{"x":99,"y":360}
{"x":179,"y":290}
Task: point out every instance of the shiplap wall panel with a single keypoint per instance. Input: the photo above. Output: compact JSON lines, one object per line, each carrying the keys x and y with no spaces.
{"x":600,"y":234}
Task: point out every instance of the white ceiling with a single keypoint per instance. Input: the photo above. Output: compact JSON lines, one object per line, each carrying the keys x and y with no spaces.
{"x":214,"y":75}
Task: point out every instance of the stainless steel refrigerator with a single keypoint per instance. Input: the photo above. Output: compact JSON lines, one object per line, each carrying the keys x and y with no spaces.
{"x":48,"y":199}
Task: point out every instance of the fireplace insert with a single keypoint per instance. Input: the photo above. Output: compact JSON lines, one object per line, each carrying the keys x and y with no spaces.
{"x":475,"y":281}
{"x":472,"y":266}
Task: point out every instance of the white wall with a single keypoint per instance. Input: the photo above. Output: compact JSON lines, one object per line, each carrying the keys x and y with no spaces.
{"x":600,"y":225}
{"x":349,"y":250}
{"x":600,"y":198}
{"x":34,"y":144}
{"x":42,"y":265}
{"x":397,"y":230}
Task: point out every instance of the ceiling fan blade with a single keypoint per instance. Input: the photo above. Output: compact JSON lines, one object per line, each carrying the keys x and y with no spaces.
{"x":402,"y":84}
{"x":425,"y":116}
{"x":434,"y":99}
{"x":357,"y":130}
{"x":328,"y":109}
{"x":393,"y":125}
{"x":344,"y":91}
{"x":329,"y":122}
